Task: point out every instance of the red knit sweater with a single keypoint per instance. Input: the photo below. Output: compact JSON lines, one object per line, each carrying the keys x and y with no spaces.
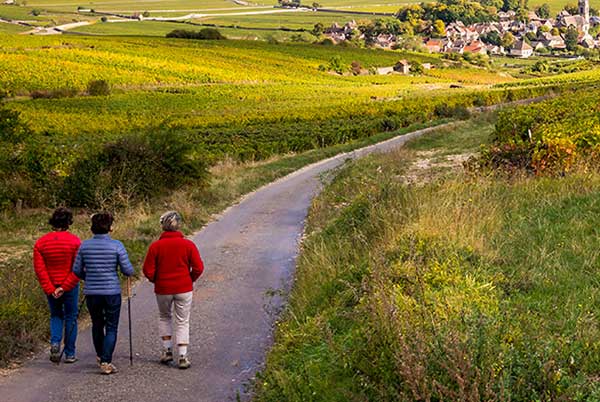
{"x":53,"y":256}
{"x":173,"y":263}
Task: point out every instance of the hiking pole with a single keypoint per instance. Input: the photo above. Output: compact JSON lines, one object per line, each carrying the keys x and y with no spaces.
{"x":129,"y":313}
{"x":67,"y":334}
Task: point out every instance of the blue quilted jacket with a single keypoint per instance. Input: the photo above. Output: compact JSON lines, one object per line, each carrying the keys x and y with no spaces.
{"x":97,"y":263}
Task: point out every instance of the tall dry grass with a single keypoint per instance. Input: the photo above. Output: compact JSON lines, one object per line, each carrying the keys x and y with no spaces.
{"x":464,"y":289}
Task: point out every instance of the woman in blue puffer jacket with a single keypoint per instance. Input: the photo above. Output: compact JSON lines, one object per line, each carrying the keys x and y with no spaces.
{"x":97,"y":263}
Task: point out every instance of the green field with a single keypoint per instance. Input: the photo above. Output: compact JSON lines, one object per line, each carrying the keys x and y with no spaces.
{"x":305,"y":20}
{"x":12,"y":29}
{"x":240,"y":80}
{"x":156,"y":28}
{"x":196,"y":5}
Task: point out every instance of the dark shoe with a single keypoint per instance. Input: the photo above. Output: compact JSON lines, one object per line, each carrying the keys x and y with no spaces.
{"x":55,"y":353}
{"x":70,"y":359}
{"x":166,"y":356}
{"x":184,"y":362}
{"x":108,"y":368}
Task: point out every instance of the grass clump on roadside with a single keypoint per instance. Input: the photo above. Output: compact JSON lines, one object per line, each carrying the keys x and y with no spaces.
{"x":458,"y":288}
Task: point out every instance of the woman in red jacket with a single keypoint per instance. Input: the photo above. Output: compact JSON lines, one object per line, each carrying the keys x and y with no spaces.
{"x":53,"y":256}
{"x":173,"y":264}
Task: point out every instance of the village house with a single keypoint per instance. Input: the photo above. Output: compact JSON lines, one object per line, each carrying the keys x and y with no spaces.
{"x":402,"y":67}
{"x":587,"y":42}
{"x":434,"y":45}
{"x":495,"y":49}
{"x":537,"y":45}
{"x":475,"y":47}
{"x":553,"y":41}
{"x":456,"y":47}
{"x":385,"y":40}
{"x":576,"y":21}
{"x":506,"y":16}
{"x":338,"y":33}
{"x":521,"y":49}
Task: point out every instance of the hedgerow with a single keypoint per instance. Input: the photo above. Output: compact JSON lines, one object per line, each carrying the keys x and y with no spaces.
{"x":40,"y":170}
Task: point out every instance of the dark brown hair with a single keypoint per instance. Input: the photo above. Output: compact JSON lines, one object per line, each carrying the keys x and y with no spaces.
{"x":101,"y":222}
{"x":61,"y":218}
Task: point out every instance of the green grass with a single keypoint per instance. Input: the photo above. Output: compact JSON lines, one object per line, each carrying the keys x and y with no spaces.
{"x":467,"y":137}
{"x":143,"y":28}
{"x":12,"y":29}
{"x":17,"y":13}
{"x":305,"y":20}
{"x":457,"y":288}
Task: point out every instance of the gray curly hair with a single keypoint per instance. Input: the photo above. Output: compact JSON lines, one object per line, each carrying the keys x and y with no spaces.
{"x":171,"y":221}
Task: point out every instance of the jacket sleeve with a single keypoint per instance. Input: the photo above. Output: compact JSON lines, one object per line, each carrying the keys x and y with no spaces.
{"x":79,"y":265}
{"x":72,"y":280}
{"x":150,"y":264}
{"x":196,"y":264}
{"x":123,"y":259}
{"x":41,"y":271}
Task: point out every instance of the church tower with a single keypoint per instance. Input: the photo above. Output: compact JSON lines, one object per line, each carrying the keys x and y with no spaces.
{"x":584,"y":11}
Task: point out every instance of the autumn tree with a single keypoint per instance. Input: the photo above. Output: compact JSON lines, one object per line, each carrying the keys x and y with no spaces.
{"x":508,"y":40}
{"x":543,"y":11}
{"x":571,"y":38}
{"x":438,"y":29}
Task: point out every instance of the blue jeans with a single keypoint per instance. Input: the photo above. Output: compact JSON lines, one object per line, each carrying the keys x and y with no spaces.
{"x":63,"y":317}
{"x":105,"y":311}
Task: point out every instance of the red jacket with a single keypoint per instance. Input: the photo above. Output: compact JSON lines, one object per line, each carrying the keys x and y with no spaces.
{"x":173,"y":263}
{"x":53,"y":257}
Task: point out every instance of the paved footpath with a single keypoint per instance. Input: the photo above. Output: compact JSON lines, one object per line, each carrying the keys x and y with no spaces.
{"x":249,"y":252}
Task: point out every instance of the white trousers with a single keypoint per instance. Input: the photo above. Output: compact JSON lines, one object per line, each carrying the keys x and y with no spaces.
{"x":181,"y":304}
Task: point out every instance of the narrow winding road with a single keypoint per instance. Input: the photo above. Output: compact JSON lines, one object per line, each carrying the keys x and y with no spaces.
{"x":249,"y":252}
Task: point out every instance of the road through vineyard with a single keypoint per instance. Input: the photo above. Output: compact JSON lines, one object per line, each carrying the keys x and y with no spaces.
{"x":249,"y":253}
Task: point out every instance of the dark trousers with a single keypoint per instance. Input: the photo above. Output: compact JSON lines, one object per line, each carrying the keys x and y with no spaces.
{"x":63,"y":317}
{"x":104,"y":311}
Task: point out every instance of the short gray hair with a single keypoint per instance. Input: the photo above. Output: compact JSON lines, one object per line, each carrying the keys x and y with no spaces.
{"x":171,"y":221}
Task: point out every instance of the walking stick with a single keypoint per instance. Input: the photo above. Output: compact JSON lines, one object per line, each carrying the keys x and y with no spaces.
{"x":129,"y":313}
{"x":67,"y":334}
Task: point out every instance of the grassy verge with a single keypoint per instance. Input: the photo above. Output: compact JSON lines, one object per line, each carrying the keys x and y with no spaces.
{"x":457,"y":288}
{"x":23,"y":310}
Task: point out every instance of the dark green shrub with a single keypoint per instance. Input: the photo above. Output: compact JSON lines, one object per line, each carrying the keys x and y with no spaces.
{"x":133,"y":168}
{"x":327,"y":42}
{"x":98,"y":88}
{"x":11,"y":129}
{"x":210,"y":34}
{"x":54,"y":93}
{"x":204,"y":34}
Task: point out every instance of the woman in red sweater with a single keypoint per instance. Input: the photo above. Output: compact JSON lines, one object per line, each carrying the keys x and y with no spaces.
{"x":53,"y":256}
{"x":173,"y":264}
